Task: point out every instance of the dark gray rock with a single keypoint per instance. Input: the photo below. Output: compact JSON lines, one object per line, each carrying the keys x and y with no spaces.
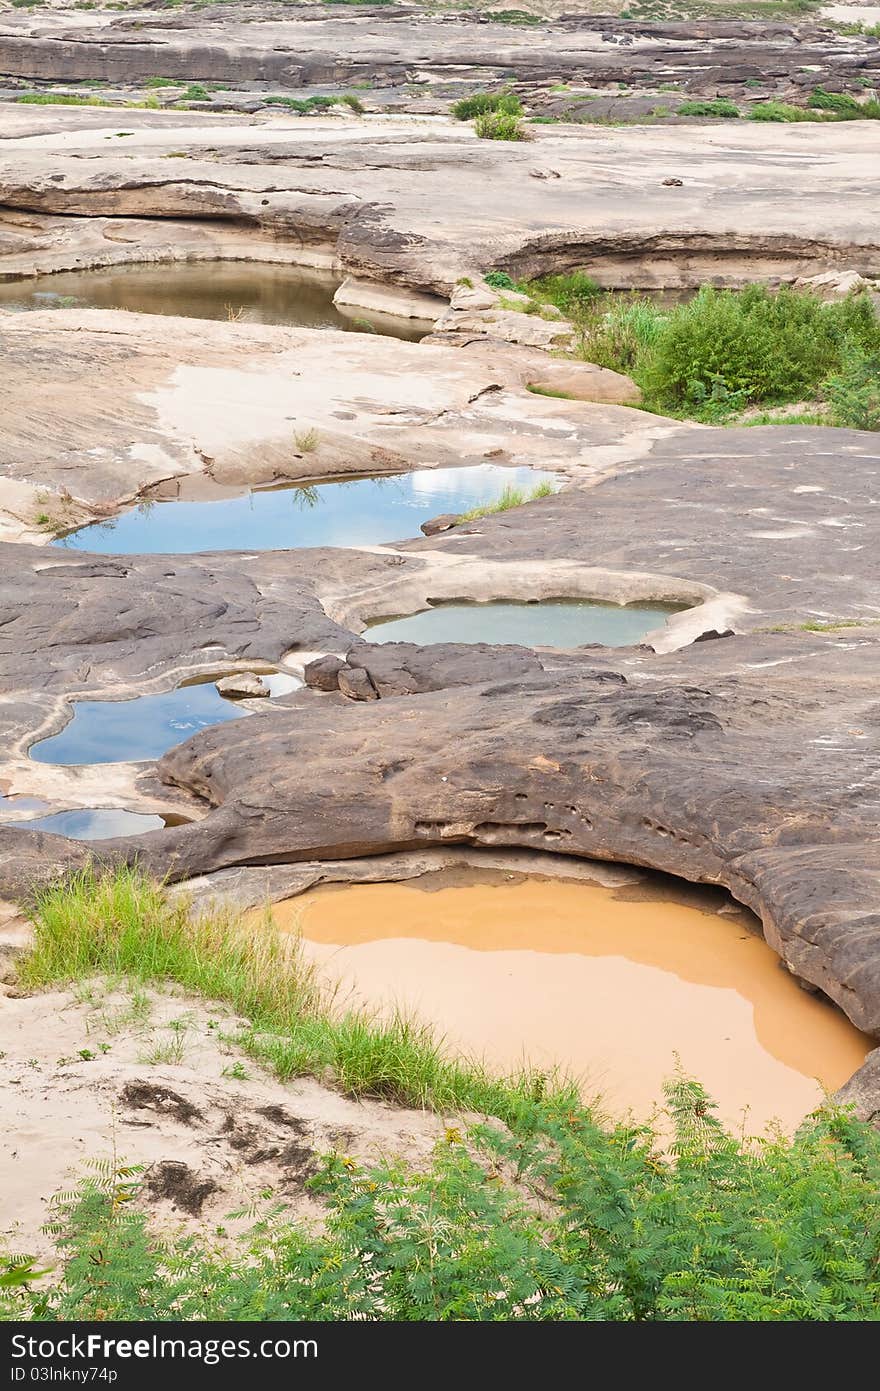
{"x":445,"y":522}
{"x":355,"y":683}
{"x":323,"y":673}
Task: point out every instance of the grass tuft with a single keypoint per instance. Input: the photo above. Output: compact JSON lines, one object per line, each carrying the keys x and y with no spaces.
{"x":511,"y":497}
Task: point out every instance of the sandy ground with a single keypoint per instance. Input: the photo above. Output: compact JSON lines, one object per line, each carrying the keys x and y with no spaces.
{"x":152,"y":1080}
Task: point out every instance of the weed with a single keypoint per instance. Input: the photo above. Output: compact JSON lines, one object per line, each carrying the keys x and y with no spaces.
{"x":307,"y":441}
{"x":237,"y":1071}
{"x":353,"y":103}
{"x":499,"y":125}
{"x":168,"y":1053}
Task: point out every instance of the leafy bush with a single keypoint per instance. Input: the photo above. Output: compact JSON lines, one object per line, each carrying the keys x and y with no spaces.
{"x":499,"y":280}
{"x":832,"y":101}
{"x":781,"y":111}
{"x":513,"y":17}
{"x":844,"y":107}
{"x":754,"y":344}
{"x":499,"y":125}
{"x":554,"y":1219}
{"x":306,"y":106}
{"x":483,"y":102}
{"x":719,"y":107}
{"x":853,"y":393}
{"x":569,"y":293}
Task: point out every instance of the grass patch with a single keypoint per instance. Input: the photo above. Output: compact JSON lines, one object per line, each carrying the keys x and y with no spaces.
{"x":59,"y":99}
{"x":797,"y":418}
{"x":511,"y":497}
{"x":482,"y":103}
{"x":782,"y":111}
{"x":305,"y":106}
{"x":549,"y":391}
{"x":718,"y":107}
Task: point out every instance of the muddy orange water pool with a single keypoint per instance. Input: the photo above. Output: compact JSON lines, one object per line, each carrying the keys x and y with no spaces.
{"x":612,"y":984}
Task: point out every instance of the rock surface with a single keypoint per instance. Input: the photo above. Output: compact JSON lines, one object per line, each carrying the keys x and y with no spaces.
{"x":243,"y":685}
{"x":423,"y":205}
{"x":101,"y":406}
{"x":398,"y":44}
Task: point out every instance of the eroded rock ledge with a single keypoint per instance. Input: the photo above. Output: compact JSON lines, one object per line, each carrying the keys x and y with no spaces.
{"x":420,"y":205}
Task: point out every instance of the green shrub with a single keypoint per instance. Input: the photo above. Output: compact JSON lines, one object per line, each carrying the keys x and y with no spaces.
{"x":353,"y":103}
{"x":719,"y":107}
{"x":570,"y":293}
{"x":781,"y":111}
{"x":306,"y":106}
{"x":499,"y":125}
{"x":853,"y":393}
{"x":839,"y":102}
{"x":753,"y":345}
{"x":483,"y":102}
{"x":557,"y":1219}
{"x":499,"y":280}
{"x":59,"y":99}
{"x":196,"y":92}
{"x":513,"y":17}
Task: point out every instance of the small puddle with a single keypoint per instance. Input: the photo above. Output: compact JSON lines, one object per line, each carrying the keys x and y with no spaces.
{"x":547,"y":623}
{"x":251,"y":293}
{"x":128,"y":731}
{"x":611,"y":984}
{"x":351,"y":512}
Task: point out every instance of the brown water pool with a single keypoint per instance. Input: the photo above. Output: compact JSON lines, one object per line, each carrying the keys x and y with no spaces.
{"x":612,"y":984}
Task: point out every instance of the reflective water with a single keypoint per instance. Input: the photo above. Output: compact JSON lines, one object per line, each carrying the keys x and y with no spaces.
{"x":613,"y":984}
{"x":356,"y":512}
{"x":247,"y":292}
{"x":102,"y":823}
{"x":123,"y":731}
{"x":551,"y":623}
